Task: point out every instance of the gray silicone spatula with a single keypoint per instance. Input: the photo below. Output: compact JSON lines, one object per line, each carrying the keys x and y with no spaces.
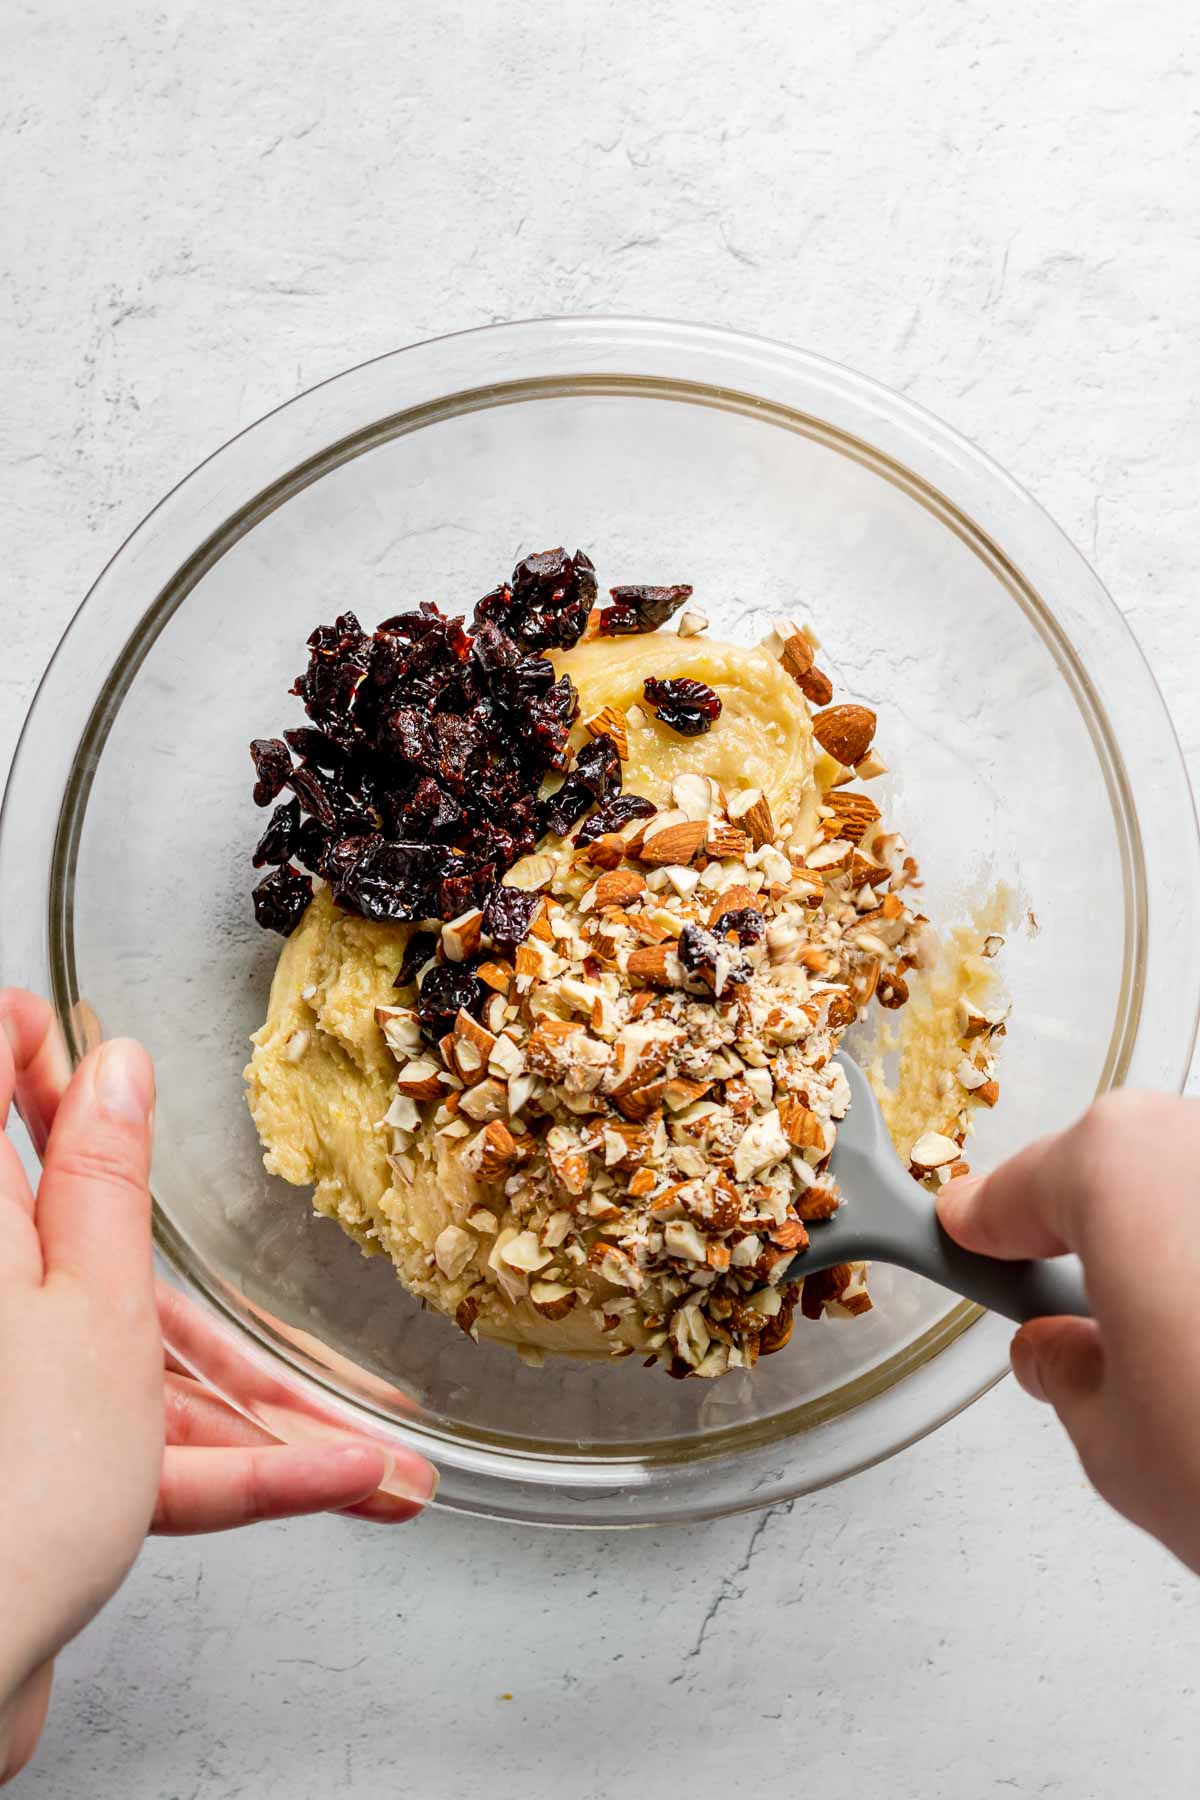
{"x":888,"y":1217}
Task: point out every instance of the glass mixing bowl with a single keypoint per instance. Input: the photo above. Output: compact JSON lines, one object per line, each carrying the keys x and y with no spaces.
{"x":1028,"y":740}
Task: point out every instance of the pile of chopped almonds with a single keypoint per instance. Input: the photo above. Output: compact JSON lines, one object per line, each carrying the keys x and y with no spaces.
{"x":649,"y":1100}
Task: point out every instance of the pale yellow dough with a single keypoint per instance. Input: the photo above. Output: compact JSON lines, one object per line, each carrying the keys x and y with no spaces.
{"x":762,"y":739}
{"x":321,"y":1077}
{"x":925,"y":1035}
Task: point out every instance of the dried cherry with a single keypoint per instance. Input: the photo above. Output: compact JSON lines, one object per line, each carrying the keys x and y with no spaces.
{"x":688,"y":707}
{"x":416,"y":780}
{"x":548,"y":602}
{"x":636,"y":609}
{"x":508,"y":915}
{"x":595,"y":776}
{"x":446,"y":988}
{"x":280,"y":899}
{"x":345,"y":638}
{"x":312,"y":746}
{"x":428,"y":812}
{"x":461,"y":889}
{"x":273,"y":765}
{"x":747,"y":922}
{"x":406,"y":733}
{"x":613,"y":814}
{"x":699,"y":951}
{"x":278,"y":841}
{"x":417,"y":952}
{"x":313,"y":842}
{"x":545,"y":724}
{"x":383,"y":880}
{"x":309,"y":789}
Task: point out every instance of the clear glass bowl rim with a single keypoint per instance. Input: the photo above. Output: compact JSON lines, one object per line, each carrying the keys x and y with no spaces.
{"x":944,"y":470}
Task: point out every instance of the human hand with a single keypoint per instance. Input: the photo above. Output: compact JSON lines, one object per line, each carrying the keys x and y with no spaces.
{"x":97,"y":1443}
{"x":1121,"y":1188}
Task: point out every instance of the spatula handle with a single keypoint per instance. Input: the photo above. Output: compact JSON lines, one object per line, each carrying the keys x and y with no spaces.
{"x":1018,"y":1290}
{"x":888,"y":1218}
{"x":914,"y":1239}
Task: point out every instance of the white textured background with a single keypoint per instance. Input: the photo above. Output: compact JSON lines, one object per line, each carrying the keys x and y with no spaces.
{"x":989,"y":206}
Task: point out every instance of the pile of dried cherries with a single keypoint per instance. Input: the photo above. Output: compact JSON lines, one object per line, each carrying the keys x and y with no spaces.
{"x":416,"y":785}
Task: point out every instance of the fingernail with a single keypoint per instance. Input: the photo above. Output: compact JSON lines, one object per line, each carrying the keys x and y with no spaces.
{"x":124,"y":1085}
{"x":1025,"y":1367}
{"x":10,"y":1032}
{"x":414,"y":1480}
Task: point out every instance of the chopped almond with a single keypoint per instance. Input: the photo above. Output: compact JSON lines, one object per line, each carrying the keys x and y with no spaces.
{"x":816,"y":687}
{"x":651,"y":931}
{"x":845,"y":732}
{"x":797,"y":656}
{"x":654,"y":963}
{"x":824,"y":1285}
{"x":568,"y":1163}
{"x":974,"y":1022}
{"x":541,"y":927}
{"x":610,"y":721}
{"x":466,"y":1313}
{"x":528,"y":960}
{"x":864,"y":872}
{"x":488,"y":1100}
{"x":892,"y":990}
{"x":460,"y":938}
{"x":626,"y":1143}
{"x":674,"y":843}
{"x":640,"y":1102}
{"x":682,"y":1091}
{"x":842,"y":1010}
{"x":498,"y":1156}
{"x":750,"y":810}
{"x":726,"y":842}
{"x":618,"y":887}
{"x":865,"y":981}
{"x":816,"y":1202}
{"x":420,"y":1080}
{"x":826,"y":857}
{"x":852,"y":815}
{"x":552,"y":1299}
{"x":547,"y":1045}
{"x":604,"y":852}
{"x":469,"y":1032}
{"x":696,"y":796}
{"x":932,"y":1149}
{"x":801,"y":1127}
{"x":791,"y":1235}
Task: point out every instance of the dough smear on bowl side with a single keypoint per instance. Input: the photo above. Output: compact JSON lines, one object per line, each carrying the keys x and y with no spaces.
{"x":590,"y":1109}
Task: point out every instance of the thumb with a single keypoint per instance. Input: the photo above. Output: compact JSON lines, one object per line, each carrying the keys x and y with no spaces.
{"x":93,"y":1203}
{"x":1060,"y":1361}
{"x":21,"y":1721}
